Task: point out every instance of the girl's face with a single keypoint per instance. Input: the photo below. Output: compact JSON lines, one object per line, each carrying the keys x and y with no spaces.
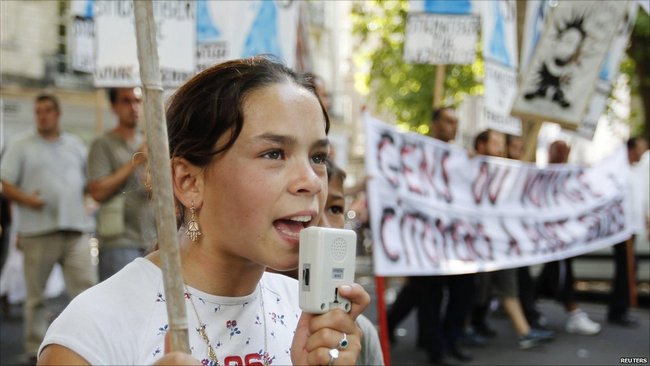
{"x":334,"y":213}
{"x":272,"y":183}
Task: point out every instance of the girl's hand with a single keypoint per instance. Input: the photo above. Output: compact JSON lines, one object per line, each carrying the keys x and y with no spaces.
{"x":317,"y":335}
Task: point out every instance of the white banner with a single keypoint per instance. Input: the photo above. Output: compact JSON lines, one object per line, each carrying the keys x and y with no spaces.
{"x":82,"y":44}
{"x":499,"y":31}
{"x":440,"y":39}
{"x":561,"y":76}
{"x":116,"y":59}
{"x":499,"y":36}
{"x":232,"y":29}
{"x":433,"y":210}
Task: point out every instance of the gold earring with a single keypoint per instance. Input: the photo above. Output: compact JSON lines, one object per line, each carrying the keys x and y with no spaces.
{"x":193,"y":231}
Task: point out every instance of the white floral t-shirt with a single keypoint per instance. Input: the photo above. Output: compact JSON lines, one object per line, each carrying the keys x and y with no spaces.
{"x":123,"y":321}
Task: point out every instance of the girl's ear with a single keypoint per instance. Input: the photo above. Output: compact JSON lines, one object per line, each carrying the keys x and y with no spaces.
{"x":187,"y":182}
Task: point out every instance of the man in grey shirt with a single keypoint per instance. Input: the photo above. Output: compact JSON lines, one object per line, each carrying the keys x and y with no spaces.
{"x":125,"y":226}
{"x":44,"y":173}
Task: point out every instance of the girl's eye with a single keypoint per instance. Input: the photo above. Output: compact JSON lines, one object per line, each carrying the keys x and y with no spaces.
{"x":319,"y":158}
{"x":337,"y":210}
{"x":274,"y":154}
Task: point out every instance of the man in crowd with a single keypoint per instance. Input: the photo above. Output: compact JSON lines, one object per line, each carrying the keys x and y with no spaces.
{"x":43,"y":172}
{"x":515,"y":151}
{"x":115,"y":169}
{"x":502,"y":283}
{"x":438,"y":332}
{"x":556,"y":279}
{"x":624,"y":272}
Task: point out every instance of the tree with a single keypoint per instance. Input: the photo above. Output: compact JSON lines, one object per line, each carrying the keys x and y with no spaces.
{"x":639,"y":53}
{"x":403,"y":90}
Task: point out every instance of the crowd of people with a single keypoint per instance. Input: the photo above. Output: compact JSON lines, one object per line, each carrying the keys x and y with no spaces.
{"x":454,"y":312}
{"x":250,"y":168}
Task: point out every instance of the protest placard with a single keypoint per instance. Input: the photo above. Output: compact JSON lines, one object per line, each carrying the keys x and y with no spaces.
{"x":116,"y":62}
{"x":440,"y":39}
{"x":442,"y":6}
{"x":499,"y":37}
{"x":597,"y":106}
{"x":562,"y":73}
{"x":234,"y":29}
{"x":82,"y":44}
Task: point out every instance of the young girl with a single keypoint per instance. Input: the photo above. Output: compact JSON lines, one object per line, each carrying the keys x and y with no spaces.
{"x":248,"y":144}
{"x":334,"y":216}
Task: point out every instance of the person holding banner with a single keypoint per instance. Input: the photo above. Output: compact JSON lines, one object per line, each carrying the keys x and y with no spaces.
{"x":502,"y":283}
{"x":624,"y":273}
{"x":248,"y":143}
{"x":515,"y":150}
{"x":437,"y":335}
{"x":556,"y":278}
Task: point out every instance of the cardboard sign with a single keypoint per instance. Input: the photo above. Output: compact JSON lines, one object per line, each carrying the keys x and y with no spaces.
{"x":562,"y":73}
{"x":440,"y":39}
{"x":233,"y":29}
{"x":116,"y":59}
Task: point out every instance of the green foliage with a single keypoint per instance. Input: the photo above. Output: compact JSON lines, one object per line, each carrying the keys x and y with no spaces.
{"x":642,"y":24}
{"x":393,"y":86}
{"x":635,"y":66}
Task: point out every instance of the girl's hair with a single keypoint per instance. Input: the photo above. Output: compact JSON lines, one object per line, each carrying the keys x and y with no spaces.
{"x":333,"y":171}
{"x":210,"y":105}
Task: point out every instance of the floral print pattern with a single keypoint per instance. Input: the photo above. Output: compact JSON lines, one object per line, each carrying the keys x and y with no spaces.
{"x":232,"y":326}
{"x":238,"y":335}
{"x":160,"y":298}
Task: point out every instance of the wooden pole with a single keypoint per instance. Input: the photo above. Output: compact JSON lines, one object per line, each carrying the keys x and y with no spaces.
{"x":439,"y":85}
{"x":158,"y":150}
{"x":99,"y":112}
{"x":530,"y":133}
{"x":384,"y":337}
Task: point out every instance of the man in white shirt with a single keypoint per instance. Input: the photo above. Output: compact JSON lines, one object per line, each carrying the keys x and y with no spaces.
{"x":44,"y":173}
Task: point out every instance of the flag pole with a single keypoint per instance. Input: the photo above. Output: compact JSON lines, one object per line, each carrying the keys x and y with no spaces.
{"x":159,"y":167}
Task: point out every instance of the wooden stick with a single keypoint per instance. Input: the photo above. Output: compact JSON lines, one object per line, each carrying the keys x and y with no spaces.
{"x":439,"y":85}
{"x":99,"y":112}
{"x":384,"y":335}
{"x":158,"y":149}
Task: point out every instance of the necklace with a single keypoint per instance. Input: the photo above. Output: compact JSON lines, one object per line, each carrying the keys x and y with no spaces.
{"x":212,"y":355}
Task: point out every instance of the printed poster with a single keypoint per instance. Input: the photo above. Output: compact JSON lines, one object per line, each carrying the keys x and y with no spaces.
{"x":562,"y":73}
{"x":233,"y":29}
{"x":116,"y":59}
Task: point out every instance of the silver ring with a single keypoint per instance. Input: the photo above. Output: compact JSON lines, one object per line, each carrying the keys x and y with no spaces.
{"x":343,"y":343}
{"x":334,"y":354}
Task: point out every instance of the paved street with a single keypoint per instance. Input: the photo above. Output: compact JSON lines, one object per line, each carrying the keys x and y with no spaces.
{"x":604,"y":349}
